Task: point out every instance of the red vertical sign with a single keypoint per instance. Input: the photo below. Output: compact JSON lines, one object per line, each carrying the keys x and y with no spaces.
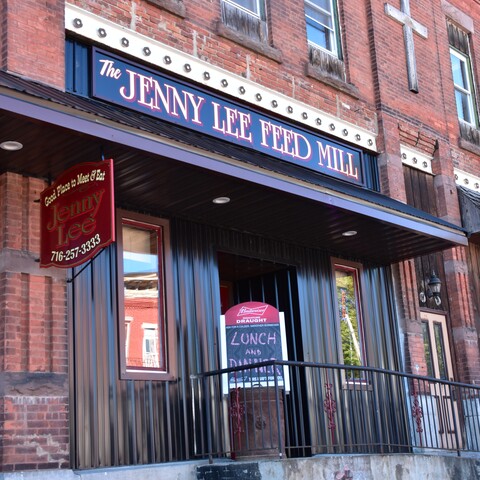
{"x":77,"y":215}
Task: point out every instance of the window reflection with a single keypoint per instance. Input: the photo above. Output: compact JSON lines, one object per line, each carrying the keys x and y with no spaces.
{"x":250,"y":5}
{"x":464,"y":98}
{"x":319,"y":16}
{"x":348,"y":309}
{"x":442,"y":367}
{"x":427,"y":345}
{"x":141,"y":262}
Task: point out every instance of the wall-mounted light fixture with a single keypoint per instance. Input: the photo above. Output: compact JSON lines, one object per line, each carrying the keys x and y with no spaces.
{"x":432,"y":290}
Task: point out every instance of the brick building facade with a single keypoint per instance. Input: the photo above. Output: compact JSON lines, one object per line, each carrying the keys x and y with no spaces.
{"x":342,"y":69}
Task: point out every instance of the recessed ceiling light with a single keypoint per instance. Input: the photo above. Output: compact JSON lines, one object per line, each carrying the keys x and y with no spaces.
{"x":221,"y":200}
{"x":349,"y":233}
{"x":11,"y":146}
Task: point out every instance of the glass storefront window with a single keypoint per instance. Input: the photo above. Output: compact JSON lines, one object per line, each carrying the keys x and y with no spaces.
{"x":144,"y":342}
{"x":351,"y":334}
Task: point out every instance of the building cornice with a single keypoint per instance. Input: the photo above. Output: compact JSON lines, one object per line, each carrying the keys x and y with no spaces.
{"x":464,"y":179}
{"x":193,"y":69}
{"x":416,"y":159}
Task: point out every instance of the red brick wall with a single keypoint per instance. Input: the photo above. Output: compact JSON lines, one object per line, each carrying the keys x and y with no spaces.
{"x":34,"y":423}
{"x":33,"y":39}
{"x":426,"y":121}
{"x":33,"y":336}
{"x":409,"y":314}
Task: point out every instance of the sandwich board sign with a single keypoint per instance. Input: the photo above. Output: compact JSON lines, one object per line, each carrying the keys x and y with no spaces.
{"x":253,"y":332}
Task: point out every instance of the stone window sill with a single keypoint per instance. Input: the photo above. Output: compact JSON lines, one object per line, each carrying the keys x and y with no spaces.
{"x":316,"y":73}
{"x":176,"y":7}
{"x":242,"y":39}
{"x":469,"y":138}
{"x":471,"y":147}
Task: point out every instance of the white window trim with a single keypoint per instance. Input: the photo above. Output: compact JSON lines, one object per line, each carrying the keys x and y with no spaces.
{"x":152,"y":334}
{"x":333,"y":30}
{"x":470,"y":92}
{"x":128,"y":322}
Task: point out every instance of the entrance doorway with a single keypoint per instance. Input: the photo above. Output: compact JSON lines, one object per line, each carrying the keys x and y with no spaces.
{"x":248,"y":279}
{"x":439,"y":365}
{"x":436,"y":345}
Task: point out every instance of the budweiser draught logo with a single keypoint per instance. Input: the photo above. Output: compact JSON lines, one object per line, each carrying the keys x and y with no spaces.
{"x":252,"y":310}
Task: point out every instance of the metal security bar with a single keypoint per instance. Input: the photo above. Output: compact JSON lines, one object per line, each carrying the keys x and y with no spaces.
{"x":330,"y":409}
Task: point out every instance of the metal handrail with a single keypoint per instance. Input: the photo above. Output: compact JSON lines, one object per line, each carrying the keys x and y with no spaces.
{"x":330,"y":408}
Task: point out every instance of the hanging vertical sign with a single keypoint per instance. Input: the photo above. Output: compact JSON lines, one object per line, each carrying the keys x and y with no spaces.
{"x":253,"y":332}
{"x":77,"y":215}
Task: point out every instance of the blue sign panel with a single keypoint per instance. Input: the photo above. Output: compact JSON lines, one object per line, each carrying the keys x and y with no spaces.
{"x":136,"y":87}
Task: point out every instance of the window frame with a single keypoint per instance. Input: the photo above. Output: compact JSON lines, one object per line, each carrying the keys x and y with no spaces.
{"x":346,"y":266}
{"x":437,"y":322}
{"x":260,"y":13}
{"x":165,"y":319}
{"x":148,"y":340}
{"x":334,"y":35}
{"x":470,"y":92}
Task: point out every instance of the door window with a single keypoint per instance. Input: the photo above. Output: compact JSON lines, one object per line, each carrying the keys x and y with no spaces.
{"x":435,"y":343}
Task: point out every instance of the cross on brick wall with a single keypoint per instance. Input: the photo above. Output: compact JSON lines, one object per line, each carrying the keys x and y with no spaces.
{"x":409,"y":27}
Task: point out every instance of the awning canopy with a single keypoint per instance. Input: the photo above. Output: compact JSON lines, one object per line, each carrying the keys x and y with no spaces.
{"x":164,"y":169}
{"x":470,"y":208}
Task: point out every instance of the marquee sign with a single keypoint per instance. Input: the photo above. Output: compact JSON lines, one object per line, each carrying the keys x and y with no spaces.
{"x":135,"y":87}
{"x":253,"y":332}
{"x":77,"y":215}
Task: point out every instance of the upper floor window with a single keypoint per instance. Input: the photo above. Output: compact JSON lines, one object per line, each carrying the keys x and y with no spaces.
{"x":144,"y":326}
{"x":321,"y":25}
{"x":350,"y":318}
{"x":324,"y":50}
{"x":462,"y":72}
{"x":462,"y":80}
{"x":246,"y":17}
